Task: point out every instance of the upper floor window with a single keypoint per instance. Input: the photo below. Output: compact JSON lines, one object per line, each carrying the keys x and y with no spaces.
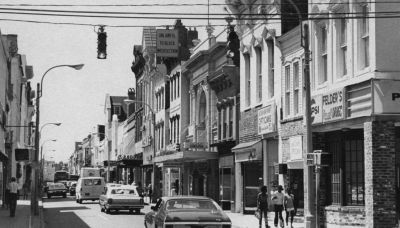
{"x":364,"y":38}
{"x":271,"y":79}
{"x":342,"y":42}
{"x":323,"y":55}
{"x":287,"y":90}
{"x":259,"y":73}
{"x":247,"y":79}
{"x":116,"y":110}
{"x":296,"y":83}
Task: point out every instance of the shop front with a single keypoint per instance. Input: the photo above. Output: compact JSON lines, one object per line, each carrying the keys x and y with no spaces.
{"x":3,"y":176}
{"x":248,"y":173}
{"x":110,"y":170}
{"x":189,"y":173}
{"x":126,"y":165}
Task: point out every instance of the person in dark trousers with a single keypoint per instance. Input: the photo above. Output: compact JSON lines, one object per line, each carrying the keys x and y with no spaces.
{"x":262,"y":205}
{"x":13,"y":196}
{"x":150,"y":192}
{"x":290,"y":207}
{"x":278,"y":199}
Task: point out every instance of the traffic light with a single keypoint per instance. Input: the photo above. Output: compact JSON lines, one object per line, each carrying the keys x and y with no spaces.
{"x":178,"y":147}
{"x":233,"y":46}
{"x":101,"y":43}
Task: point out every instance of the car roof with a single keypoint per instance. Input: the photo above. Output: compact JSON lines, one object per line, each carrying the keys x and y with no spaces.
{"x":90,"y":177}
{"x":185,"y":197}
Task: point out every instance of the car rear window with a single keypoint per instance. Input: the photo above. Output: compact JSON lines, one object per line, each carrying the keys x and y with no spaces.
{"x":91,"y":182}
{"x":177,"y":204}
{"x":124,"y":191}
{"x":54,"y":186}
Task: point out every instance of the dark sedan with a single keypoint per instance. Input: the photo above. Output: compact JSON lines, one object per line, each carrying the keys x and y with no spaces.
{"x":72,"y":189}
{"x":186,"y":212}
{"x":56,"y":189}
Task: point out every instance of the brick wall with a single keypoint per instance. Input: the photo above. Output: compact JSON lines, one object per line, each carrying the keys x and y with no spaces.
{"x":248,"y":126}
{"x":337,"y":216}
{"x":380,"y":181}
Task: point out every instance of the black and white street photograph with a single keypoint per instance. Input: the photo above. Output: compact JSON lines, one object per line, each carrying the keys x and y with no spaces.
{"x":199,"y":113}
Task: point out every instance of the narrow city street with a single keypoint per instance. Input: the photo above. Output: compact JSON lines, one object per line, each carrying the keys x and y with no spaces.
{"x":65,"y":212}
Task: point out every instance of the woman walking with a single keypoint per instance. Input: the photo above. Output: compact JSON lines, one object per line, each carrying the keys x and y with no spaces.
{"x":289,"y":207}
{"x":262,"y":205}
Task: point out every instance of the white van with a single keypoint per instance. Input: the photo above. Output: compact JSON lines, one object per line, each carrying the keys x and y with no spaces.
{"x":89,"y":188}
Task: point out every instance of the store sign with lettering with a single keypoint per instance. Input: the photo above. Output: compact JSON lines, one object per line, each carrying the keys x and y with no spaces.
{"x":266,"y":119}
{"x":386,"y":97}
{"x":316,"y":109}
{"x":333,"y":105}
{"x":167,"y":43}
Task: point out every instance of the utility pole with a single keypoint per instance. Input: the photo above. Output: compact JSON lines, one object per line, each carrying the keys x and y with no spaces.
{"x":311,"y":221}
{"x":35,"y":176}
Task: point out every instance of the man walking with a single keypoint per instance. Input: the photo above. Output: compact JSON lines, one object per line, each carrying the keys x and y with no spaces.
{"x":13,"y":196}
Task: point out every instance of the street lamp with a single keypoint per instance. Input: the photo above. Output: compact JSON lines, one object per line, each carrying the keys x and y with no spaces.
{"x":35,"y":185}
{"x":153,"y":118}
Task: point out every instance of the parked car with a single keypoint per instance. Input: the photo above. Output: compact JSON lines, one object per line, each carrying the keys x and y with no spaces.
{"x":72,"y":188}
{"x":56,"y":189}
{"x":124,"y":197}
{"x":180,"y":211}
{"x":89,"y":188}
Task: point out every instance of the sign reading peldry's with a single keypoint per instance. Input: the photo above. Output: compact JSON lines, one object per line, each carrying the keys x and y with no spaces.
{"x":167,"y":43}
{"x":266,"y":119}
{"x":333,"y":105}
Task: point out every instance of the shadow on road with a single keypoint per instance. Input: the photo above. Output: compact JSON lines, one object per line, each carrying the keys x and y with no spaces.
{"x":124,"y":213}
{"x":61,"y":217}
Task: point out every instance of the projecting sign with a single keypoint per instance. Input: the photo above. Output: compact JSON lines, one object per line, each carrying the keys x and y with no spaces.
{"x":333,"y":105}
{"x":266,"y":119}
{"x":316,"y":109}
{"x":386,"y":97}
{"x":167,"y":43}
{"x":21,"y":154}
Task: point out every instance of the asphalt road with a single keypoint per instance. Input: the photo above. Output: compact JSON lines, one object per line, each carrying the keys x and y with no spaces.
{"x":65,"y":212}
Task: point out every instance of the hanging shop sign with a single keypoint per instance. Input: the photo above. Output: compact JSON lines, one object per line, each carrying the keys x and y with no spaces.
{"x":386,"y":97}
{"x":130,"y":157}
{"x":333,"y":105}
{"x":316,"y":109}
{"x":167,"y":43}
{"x":266,"y":119}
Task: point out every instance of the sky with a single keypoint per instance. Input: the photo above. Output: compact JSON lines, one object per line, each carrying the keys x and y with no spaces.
{"x":76,"y":98}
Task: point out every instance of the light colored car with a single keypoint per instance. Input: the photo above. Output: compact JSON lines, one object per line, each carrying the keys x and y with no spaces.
{"x":186,"y":211}
{"x":124,"y":197}
{"x":89,"y":188}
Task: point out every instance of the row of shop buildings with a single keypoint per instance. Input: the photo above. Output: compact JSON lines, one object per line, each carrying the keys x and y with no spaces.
{"x":198,"y":123}
{"x":16,"y":112}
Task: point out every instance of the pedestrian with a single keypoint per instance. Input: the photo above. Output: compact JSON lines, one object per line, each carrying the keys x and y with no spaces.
{"x":278,"y":200}
{"x":13,"y":196}
{"x":25,"y":190}
{"x":262,"y":205}
{"x":289,"y":207}
{"x":150,"y":192}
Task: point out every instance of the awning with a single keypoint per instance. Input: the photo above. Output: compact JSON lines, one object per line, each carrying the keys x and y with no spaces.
{"x":245,"y":146}
{"x":248,"y":151}
{"x":295,"y":164}
{"x":186,"y":156}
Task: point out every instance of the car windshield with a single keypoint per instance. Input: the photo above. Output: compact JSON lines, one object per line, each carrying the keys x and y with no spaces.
{"x":200,"y":204}
{"x":90,"y":182}
{"x":123,"y":191}
{"x":54,"y":186}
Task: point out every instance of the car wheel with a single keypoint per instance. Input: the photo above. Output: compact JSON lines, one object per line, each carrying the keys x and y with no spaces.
{"x":107,"y":210}
{"x":101,"y":209}
{"x":130,"y":211}
{"x":80,"y":201}
{"x":137,"y":211}
{"x":65,"y":196}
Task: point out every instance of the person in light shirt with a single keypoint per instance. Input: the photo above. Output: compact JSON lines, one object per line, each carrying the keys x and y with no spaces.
{"x":13,"y":196}
{"x":278,"y":200}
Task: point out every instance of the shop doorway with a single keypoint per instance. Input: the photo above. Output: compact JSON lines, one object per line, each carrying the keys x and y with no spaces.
{"x":296,"y":183}
{"x":252,"y":180}
{"x":199,"y":184}
{"x":226,"y":192}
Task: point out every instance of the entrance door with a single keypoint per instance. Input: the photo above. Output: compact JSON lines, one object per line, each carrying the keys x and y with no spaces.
{"x":252,"y":179}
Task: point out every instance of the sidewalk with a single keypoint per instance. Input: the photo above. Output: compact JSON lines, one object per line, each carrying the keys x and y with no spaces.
{"x":22,"y":217}
{"x":250,"y":221}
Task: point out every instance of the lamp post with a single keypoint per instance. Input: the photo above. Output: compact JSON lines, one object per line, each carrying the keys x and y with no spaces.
{"x":153,"y":120}
{"x":41,"y":160}
{"x":35,"y":185}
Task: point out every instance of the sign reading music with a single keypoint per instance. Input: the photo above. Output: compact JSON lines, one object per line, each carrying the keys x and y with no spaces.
{"x":266,"y":119}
